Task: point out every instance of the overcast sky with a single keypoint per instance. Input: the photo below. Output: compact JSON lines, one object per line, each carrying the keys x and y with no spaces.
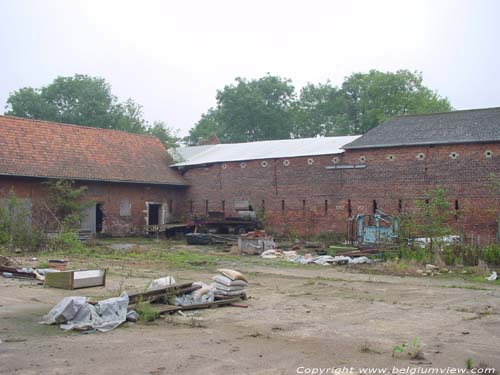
{"x":172,"y":56}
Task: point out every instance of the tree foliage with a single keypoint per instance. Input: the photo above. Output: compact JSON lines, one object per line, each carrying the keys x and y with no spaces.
{"x":269,"y":108}
{"x":84,"y":100}
{"x":375,"y":97}
{"x":249,"y":110}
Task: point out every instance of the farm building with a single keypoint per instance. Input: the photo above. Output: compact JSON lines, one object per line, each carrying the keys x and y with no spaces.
{"x":127,"y":176}
{"x":302,"y":186}
{"x":312,"y":186}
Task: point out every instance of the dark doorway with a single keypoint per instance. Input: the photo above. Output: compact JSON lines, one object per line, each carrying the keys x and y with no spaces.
{"x":153,"y":213}
{"x":99,"y":217}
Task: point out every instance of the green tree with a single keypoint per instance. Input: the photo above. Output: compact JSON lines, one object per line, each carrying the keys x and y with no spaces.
{"x":208,"y":125}
{"x":85,"y":100}
{"x":320,"y":110}
{"x":267,"y":108}
{"x":375,"y":97}
{"x":249,"y":110}
{"x":80,"y":100}
{"x":167,"y":135}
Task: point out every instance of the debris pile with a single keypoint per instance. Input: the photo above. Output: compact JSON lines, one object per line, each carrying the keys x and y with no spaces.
{"x":255,"y":242}
{"x":431,"y":270}
{"x":229,"y":283}
{"x":77,"y":313}
{"x":10,"y":269}
{"x":324,"y":260}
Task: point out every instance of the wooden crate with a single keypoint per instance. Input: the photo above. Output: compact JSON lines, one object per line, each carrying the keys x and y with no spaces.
{"x":76,"y":279}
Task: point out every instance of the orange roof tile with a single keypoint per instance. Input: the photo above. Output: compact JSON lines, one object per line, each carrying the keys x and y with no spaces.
{"x":35,"y":148}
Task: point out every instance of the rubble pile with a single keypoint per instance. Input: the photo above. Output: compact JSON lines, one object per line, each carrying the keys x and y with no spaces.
{"x":324,"y":260}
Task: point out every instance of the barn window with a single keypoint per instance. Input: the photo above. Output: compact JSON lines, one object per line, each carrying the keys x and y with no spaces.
{"x":223,"y":206}
{"x":191,"y":207}
{"x":170,"y":206}
{"x":326,"y":207}
{"x":400,"y":206}
{"x":125,"y":208}
{"x":375,"y":206}
{"x":282,"y":206}
{"x":349,"y":207}
{"x":206,"y":206}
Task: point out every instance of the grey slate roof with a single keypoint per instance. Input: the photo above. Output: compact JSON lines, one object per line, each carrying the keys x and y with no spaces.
{"x":469,"y":126}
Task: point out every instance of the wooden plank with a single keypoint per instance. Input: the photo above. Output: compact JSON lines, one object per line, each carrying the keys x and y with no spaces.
{"x":157,"y":293}
{"x":207,"y":305}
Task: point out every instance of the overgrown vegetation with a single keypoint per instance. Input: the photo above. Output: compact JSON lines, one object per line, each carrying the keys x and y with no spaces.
{"x":65,"y":208}
{"x":491,"y":254}
{"x":16,"y":229}
{"x":413,"y":347}
{"x":146,"y":312}
{"x":431,"y":220}
{"x":25,"y":227}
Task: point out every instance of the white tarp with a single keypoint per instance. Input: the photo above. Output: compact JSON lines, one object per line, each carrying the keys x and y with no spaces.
{"x":76,"y":313}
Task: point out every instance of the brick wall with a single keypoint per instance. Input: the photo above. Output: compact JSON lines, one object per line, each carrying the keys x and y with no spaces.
{"x":110,"y":196}
{"x":301,"y":196}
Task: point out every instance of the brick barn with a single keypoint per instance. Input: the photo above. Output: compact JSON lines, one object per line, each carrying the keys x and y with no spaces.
{"x":303,"y":186}
{"x":127,"y":175}
{"x":312,"y":186}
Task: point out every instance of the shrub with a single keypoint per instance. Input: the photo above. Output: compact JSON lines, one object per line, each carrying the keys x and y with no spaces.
{"x":146,"y":312}
{"x":66,"y":241}
{"x":491,"y":254}
{"x":16,"y":230}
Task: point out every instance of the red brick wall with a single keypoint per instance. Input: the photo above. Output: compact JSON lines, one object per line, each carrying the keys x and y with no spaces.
{"x":305,"y":187}
{"x":109,"y":195}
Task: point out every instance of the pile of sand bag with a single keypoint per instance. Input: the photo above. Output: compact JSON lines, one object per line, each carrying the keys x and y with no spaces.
{"x":229,"y":283}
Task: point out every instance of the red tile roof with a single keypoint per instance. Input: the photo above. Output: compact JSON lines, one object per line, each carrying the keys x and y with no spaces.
{"x":47,"y":149}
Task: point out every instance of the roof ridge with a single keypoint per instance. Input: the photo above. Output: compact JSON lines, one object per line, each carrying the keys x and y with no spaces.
{"x":444,"y":112}
{"x":76,"y":125}
{"x":281,"y":140}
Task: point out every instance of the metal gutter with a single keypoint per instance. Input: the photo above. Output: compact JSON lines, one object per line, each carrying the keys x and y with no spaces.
{"x":95,"y":180}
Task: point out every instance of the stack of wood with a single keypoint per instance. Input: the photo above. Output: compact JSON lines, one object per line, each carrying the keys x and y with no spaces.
{"x":164,"y":299}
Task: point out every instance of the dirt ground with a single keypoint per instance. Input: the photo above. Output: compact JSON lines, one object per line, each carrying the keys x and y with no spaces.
{"x":309,"y":316}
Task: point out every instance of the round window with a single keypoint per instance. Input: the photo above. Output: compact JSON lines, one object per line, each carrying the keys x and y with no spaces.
{"x":336,"y":160}
{"x":362,"y":159}
{"x":224,"y":166}
{"x":310,"y":161}
{"x":420,"y":156}
{"x":286,"y":163}
{"x":488,"y":154}
{"x":264,"y":164}
{"x":243,"y":165}
{"x":454,"y":155}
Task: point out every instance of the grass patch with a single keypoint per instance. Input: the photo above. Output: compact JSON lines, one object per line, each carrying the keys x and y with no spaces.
{"x":146,"y":312}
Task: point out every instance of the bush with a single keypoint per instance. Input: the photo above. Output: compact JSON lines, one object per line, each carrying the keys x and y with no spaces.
{"x":491,"y":254}
{"x":16,"y":230}
{"x":66,"y":241}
